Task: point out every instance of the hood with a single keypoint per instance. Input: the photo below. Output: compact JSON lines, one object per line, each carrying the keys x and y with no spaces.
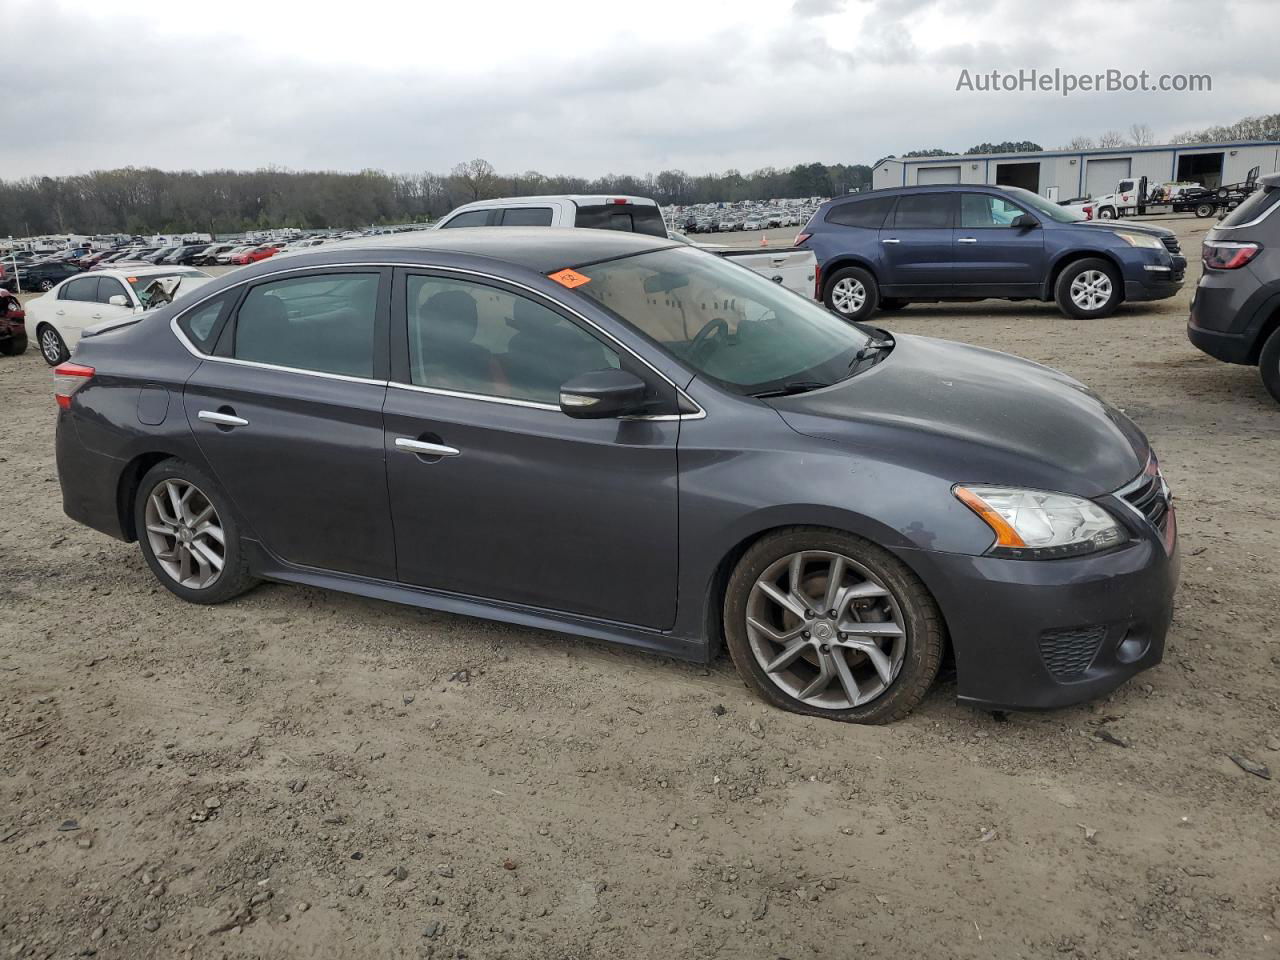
{"x":1151,"y":229}
{"x":976,"y":416}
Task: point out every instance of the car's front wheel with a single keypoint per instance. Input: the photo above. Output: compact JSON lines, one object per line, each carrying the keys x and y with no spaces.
{"x":852,"y":293}
{"x":52,"y":347}
{"x":14,"y":346}
{"x":828,"y":624}
{"x":1088,"y":289}
{"x":45,"y":286}
{"x":1269,"y":365}
{"x":188,"y":534}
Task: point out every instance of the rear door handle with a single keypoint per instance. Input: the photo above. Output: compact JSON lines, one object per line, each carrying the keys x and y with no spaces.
{"x":966,"y":240}
{"x":890,"y":240}
{"x":426,"y":449}
{"x":222,"y":419}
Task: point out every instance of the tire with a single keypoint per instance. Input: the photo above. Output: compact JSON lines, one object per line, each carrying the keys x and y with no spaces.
{"x":1107,"y":213}
{"x":1223,"y":193}
{"x":758,"y":629}
{"x":14,"y":346}
{"x":1097,"y":277}
{"x":52,"y":347}
{"x":1205,"y":210}
{"x":45,"y":286}
{"x":889,"y":303}
{"x":1269,"y":365}
{"x":851,"y":293}
{"x":164,"y":553}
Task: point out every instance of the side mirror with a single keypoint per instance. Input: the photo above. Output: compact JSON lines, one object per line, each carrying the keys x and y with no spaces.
{"x":119,"y":300}
{"x":1025,"y":221}
{"x":602,"y":394}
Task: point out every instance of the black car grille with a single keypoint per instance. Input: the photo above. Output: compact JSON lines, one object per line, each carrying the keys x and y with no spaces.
{"x":1150,"y":499}
{"x":1172,"y":244}
{"x":1068,"y":653}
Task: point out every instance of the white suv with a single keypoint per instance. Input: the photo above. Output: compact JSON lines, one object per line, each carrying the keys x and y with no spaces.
{"x":632,"y":214}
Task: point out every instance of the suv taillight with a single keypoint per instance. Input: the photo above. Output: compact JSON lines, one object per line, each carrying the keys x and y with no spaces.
{"x":1221,"y":255}
{"x":67,"y":379}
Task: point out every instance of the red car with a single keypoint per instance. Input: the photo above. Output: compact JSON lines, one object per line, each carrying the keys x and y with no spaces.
{"x":13,"y":325}
{"x":256,"y":254}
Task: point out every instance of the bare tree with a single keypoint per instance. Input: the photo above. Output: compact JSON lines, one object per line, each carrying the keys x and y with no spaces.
{"x":1112,"y":138}
{"x":476,"y":179}
{"x":1081,"y":143}
{"x":1140,"y":135}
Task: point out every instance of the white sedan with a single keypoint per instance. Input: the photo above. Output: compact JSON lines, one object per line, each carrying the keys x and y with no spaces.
{"x":57,"y":318}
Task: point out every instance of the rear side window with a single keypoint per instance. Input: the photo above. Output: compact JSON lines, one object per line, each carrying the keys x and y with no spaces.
{"x":322,"y":322}
{"x":83,"y":288}
{"x":868,"y":213}
{"x":202,"y":324}
{"x":472,"y":218}
{"x":631,"y":217}
{"x":924,"y":210}
{"x":527,"y":217}
{"x":1254,"y":206}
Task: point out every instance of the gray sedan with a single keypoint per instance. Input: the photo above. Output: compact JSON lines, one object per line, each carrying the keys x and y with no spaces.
{"x":611,"y":435}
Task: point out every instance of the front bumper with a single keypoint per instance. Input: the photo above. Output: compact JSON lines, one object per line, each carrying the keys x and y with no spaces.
{"x":1157,"y":281}
{"x":1032,"y":635}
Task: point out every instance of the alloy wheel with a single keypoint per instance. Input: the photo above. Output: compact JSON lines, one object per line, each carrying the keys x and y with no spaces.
{"x":46,"y":285}
{"x":1091,"y":290}
{"x":185,"y":534}
{"x":51,"y":346}
{"x":848,"y":295}
{"x":826,"y":630}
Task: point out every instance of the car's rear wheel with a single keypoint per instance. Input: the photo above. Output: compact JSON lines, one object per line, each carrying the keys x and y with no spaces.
{"x":14,"y":346}
{"x":1205,"y":209}
{"x":189,"y":535}
{"x":1269,"y":365}
{"x":52,"y":347}
{"x":852,"y":293}
{"x":828,"y":624}
{"x":1088,"y":289}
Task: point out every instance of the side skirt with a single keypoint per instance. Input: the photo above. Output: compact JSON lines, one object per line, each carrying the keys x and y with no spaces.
{"x":269,"y":567}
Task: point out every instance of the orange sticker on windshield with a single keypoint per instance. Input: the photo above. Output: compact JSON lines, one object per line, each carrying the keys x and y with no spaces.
{"x":569,"y":278}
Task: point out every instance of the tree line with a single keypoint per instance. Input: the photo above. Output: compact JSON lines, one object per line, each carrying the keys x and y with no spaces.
{"x":143,"y":200}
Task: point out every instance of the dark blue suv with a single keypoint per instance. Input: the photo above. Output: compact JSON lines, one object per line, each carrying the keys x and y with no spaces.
{"x":885,"y":249}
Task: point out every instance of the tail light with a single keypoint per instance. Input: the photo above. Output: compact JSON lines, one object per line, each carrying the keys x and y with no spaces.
{"x":1221,"y":255}
{"x":800,"y":238}
{"x":67,"y":379}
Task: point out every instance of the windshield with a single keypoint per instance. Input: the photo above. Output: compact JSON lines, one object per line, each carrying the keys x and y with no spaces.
{"x":1045,"y":208}
{"x":726,"y":321}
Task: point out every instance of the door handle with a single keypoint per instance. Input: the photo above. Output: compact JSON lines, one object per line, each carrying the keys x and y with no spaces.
{"x":890,"y":240}
{"x":62,"y":313}
{"x":426,"y":449}
{"x":222,"y":419}
{"x":97,"y":316}
{"x":966,"y":239}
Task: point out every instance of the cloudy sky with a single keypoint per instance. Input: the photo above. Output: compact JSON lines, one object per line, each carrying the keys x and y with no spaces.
{"x":592,"y":88}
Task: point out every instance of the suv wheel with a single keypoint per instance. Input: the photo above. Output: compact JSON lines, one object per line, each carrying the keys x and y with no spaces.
{"x":188,"y":534}
{"x":825,"y":623}
{"x":1087,"y":289}
{"x":852,"y":293}
{"x":1269,"y":365}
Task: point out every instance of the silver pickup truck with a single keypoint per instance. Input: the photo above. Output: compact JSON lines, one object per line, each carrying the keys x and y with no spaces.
{"x":792,"y":267}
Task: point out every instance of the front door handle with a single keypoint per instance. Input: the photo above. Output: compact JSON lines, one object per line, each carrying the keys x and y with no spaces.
{"x":62,"y":313}
{"x":890,"y":240}
{"x":966,"y":239}
{"x":222,"y":419}
{"x":426,"y":449}
{"x":97,"y":316}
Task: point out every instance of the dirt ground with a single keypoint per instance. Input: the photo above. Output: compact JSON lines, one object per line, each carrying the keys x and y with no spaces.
{"x":305,"y":774}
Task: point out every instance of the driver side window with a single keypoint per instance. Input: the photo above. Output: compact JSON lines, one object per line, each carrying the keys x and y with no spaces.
{"x":979,"y":210}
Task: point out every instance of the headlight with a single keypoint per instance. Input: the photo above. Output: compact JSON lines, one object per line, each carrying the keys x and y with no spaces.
{"x":1140,"y":240}
{"x":1035,"y":525}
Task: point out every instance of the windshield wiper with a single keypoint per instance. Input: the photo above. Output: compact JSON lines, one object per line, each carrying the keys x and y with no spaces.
{"x":790,"y":387}
{"x":870,"y":349}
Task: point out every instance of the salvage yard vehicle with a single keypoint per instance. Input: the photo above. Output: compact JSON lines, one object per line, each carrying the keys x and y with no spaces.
{"x":601,"y":433}
{"x":39,"y":275}
{"x":631,"y":214}
{"x":262,"y":251}
{"x":13,"y":330}
{"x":887,"y":248}
{"x":792,"y":267}
{"x":60,"y":317}
{"x":1235,"y":313}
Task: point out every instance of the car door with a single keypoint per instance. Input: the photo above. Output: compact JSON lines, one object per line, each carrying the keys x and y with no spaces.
{"x":77,"y":307}
{"x":288,"y":413}
{"x":108,"y":288}
{"x":992,"y":256}
{"x":495,"y":492}
{"x":916,"y":244}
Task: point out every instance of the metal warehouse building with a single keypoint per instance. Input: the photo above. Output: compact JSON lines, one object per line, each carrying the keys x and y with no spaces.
{"x":1063,"y":174}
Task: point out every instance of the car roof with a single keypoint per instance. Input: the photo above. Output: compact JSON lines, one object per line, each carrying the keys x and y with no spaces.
{"x":582,"y":199}
{"x":538,"y":248}
{"x":138,"y":272}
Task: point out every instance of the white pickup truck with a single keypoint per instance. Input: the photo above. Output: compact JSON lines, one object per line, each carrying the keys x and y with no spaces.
{"x":792,"y":267}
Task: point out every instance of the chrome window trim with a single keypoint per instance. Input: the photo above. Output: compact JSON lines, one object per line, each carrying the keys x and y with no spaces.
{"x":201,"y":355}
